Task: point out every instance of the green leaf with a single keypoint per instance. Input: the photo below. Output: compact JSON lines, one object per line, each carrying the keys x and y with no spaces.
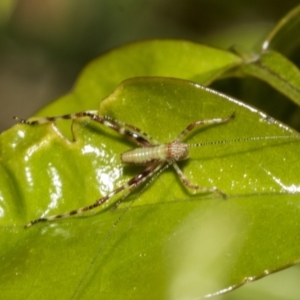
{"x":277,"y":71}
{"x":284,"y":37}
{"x":169,"y":58}
{"x":272,"y":67}
{"x":168,"y":242}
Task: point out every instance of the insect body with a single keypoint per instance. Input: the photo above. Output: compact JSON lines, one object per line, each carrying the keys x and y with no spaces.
{"x":154,"y":155}
{"x":145,"y":156}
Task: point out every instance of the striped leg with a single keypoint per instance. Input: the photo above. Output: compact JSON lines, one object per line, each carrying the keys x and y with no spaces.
{"x":130,"y":131}
{"x":134,"y":129}
{"x":45,"y":120}
{"x":187,"y":183}
{"x":129,"y":186}
{"x":202,"y":122}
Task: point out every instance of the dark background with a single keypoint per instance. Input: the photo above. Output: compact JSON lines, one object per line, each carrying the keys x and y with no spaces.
{"x":45,"y":44}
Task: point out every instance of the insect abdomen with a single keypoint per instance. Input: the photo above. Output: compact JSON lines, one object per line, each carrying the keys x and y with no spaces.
{"x":143,"y":156}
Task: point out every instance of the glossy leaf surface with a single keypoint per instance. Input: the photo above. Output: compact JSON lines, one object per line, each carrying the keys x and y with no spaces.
{"x":168,"y":243}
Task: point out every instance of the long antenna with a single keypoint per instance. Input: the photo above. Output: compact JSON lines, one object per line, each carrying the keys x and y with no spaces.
{"x":244,"y":139}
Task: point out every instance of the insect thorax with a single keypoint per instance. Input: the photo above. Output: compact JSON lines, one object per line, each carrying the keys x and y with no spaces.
{"x":164,"y":152}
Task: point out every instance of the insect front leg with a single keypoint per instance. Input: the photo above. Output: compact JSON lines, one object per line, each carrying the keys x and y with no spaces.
{"x":191,"y":126}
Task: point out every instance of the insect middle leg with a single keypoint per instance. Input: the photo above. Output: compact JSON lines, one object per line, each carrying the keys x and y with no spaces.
{"x":196,"y":187}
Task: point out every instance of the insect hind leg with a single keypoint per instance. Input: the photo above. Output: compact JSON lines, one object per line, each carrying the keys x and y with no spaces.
{"x":128,"y":187}
{"x":125,"y":129}
{"x":134,"y":130}
{"x":45,"y":120}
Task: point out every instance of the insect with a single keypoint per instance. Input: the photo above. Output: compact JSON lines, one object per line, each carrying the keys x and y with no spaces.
{"x":150,"y":153}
